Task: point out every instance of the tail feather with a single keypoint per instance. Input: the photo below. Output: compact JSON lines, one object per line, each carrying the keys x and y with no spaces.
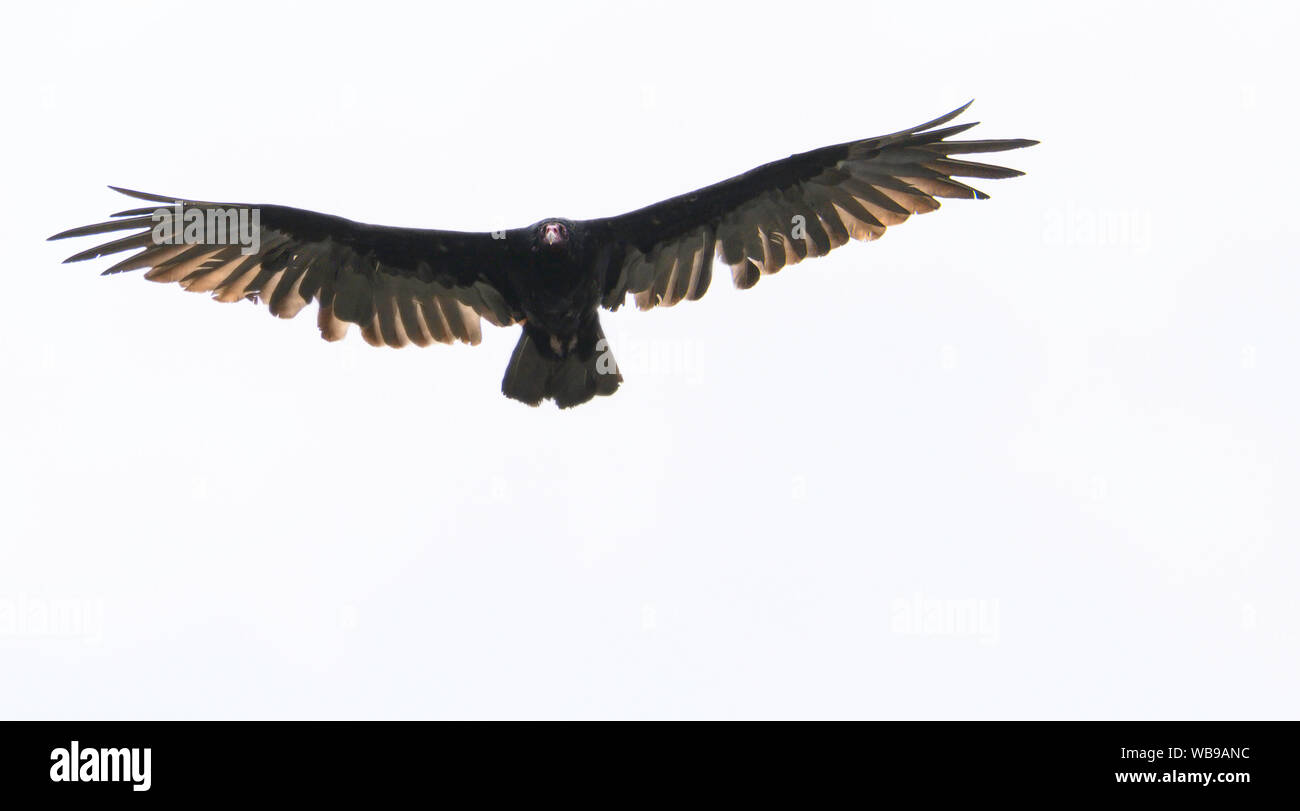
{"x":538,"y":373}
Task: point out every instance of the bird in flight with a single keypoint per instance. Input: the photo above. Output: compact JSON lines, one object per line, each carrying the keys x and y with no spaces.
{"x":413,"y":285}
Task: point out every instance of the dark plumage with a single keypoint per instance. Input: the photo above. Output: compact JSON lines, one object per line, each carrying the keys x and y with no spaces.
{"x":408,"y":285}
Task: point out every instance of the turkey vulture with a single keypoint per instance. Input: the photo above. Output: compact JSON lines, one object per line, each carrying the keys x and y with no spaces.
{"x":411,"y":285}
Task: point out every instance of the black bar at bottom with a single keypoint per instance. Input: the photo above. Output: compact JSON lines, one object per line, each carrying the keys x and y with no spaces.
{"x":331,"y":760}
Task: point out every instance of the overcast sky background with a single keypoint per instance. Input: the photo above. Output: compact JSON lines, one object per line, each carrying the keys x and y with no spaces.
{"x":1031,"y":457}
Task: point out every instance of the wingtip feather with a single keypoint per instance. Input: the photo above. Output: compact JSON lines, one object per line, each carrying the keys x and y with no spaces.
{"x":141,"y":195}
{"x":945,"y":118}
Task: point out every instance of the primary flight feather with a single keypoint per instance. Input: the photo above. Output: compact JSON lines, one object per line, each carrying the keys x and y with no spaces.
{"x":411,"y":285}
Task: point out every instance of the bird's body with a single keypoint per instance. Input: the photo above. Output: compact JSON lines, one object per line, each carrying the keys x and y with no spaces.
{"x":554,"y":283}
{"x":407,"y":285}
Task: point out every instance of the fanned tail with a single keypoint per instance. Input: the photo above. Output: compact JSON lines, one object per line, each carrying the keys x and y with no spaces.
{"x":570,"y":375}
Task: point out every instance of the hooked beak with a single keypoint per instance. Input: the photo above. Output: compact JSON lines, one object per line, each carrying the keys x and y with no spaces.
{"x":553,"y":234}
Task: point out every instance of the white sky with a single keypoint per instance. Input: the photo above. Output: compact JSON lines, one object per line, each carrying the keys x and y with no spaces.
{"x":1032,"y":457}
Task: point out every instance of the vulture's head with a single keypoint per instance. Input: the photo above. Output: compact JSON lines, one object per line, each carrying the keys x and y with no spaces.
{"x":552,"y":235}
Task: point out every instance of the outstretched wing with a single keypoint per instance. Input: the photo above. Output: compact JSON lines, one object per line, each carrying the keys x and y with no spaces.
{"x":401,"y":285}
{"x":788,"y":210}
